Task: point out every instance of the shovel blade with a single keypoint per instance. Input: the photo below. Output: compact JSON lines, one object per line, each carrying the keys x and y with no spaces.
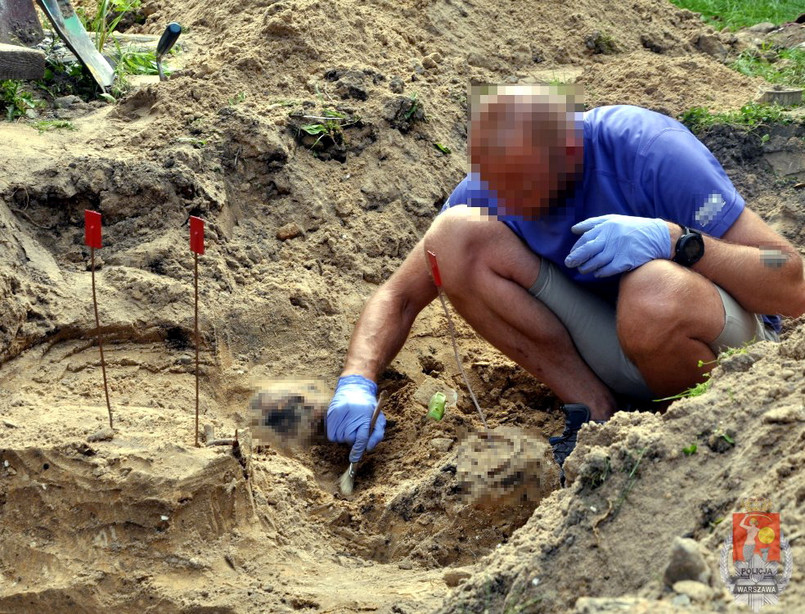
{"x":62,"y":15}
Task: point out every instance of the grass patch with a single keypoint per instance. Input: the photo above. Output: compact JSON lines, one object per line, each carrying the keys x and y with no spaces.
{"x":736,"y":14}
{"x":46,"y":125}
{"x":788,"y":67}
{"x":750,"y":115}
{"x":631,"y":468}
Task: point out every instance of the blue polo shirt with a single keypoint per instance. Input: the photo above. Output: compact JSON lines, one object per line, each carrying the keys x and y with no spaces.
{"x":636,"y":162}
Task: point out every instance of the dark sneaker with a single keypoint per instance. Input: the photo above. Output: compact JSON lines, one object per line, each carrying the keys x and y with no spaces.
{"x":576,"y":414}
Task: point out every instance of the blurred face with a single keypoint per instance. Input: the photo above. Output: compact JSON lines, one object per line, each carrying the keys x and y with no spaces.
{"x":529,"y":157}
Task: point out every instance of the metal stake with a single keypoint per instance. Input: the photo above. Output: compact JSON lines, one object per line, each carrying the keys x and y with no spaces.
{"x":98,"y":332}
{"x":195,"y":274}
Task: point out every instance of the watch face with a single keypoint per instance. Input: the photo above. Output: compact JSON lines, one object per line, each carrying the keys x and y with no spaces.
{"x":691,"y":249}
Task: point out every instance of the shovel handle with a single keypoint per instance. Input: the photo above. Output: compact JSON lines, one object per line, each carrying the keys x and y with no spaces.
{"x":168,"y":38}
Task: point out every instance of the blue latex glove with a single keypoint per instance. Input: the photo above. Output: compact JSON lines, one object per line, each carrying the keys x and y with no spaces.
{"x":350,"y":413}
{"x":612,"y":244}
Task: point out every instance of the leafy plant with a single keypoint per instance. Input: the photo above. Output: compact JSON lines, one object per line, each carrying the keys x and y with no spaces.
{"x":690,"y":450}
{"x":65,"y":78}
{"x":330,"y":124}
{"x":130,"y":62}
{"x":14,"y":100}
{"x":414,"y":107}
{"x":443,"y":148}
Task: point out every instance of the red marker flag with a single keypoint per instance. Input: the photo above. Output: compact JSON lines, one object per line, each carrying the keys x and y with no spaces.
{"x":92,"y":229}
{"x":197,"y":234}
{"x":434,"y":269}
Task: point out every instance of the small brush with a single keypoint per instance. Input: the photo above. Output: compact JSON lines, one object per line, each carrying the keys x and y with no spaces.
{"x":347,"y":481}
{"x":437,"y":279}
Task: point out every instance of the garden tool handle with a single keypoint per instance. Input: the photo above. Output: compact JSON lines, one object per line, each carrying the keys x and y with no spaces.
{"x":168,"y":38}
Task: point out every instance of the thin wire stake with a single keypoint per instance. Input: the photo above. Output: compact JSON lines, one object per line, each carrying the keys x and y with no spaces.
{"x":98,"y":332}
{"x":195,"y":274}
{"x":197,"y":246}
{"x":458,"y":358}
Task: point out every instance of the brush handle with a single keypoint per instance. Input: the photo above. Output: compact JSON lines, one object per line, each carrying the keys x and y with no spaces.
{"x":381,"y":401}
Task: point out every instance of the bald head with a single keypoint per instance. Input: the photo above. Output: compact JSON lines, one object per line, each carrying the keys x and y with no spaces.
{"x":525,"y":144}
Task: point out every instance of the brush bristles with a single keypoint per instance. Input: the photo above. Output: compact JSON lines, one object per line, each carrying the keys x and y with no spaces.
{"x":346,"y":483}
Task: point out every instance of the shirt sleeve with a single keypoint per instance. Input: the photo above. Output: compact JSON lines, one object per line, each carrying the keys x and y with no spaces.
{"x":681,"y":181}
{"x":471,"y":191}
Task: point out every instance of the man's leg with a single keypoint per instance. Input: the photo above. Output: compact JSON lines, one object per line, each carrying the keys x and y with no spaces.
{"x":486,"y":271}
{"x":668,"y":317}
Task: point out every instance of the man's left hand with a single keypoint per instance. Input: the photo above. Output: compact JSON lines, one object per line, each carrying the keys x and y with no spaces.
{"x":612,"y":244}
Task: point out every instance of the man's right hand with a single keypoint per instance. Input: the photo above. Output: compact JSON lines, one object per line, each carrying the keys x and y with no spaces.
{"x":350,"y":414}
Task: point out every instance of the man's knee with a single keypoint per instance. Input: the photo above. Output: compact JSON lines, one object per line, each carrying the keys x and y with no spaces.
{"x":462,"y":240}
{"x":651,"y":306}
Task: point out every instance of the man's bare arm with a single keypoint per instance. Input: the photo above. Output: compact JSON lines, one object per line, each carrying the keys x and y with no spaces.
{"x":755,"y":265}
{"x":388,"y":316}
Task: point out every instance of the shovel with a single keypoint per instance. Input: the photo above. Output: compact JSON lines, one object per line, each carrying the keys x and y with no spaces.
{"x":62,"y":15}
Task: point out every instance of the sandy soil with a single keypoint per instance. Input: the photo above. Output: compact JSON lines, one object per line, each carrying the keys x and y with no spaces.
{"x":298,"y":236}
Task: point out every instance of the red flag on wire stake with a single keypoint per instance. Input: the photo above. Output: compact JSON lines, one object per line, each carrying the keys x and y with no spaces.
{"x":92,"y":237}
{"x":92,"y":229}
{"x":197,"y":245}
{"x":197,"y":234}
{"x":434,"y":269}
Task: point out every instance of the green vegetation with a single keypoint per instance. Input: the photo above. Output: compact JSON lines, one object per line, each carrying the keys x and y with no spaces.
{"x":631,"y":468}
{"x":129,"y":62}
{"x":237,"y":99}
{"x":599,"y":475}
{"x":735,"y":14}
{"x":750,"y":115}
{"x":195,"y":142}
{"x":14,"y":100}
{"x":46,"y":125}
{"x":783,"y":67}
{"x":330,"y":124}
{"x":415,"y":110}
{"x":443,"y":148}
{"x":690,"y":450}
{"x":601,"y":43}
{"x":106,"y":18}
{"x":696,"y":391}
{"x":702,"y":387}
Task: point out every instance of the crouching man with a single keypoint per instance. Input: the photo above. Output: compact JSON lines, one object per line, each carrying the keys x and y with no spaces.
{"x":605,"y":252}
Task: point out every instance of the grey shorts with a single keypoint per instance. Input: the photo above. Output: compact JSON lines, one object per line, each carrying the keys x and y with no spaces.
{"x":590,"y":320}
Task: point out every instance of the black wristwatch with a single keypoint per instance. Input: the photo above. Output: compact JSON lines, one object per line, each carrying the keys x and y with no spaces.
{"x":689,"y":247}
